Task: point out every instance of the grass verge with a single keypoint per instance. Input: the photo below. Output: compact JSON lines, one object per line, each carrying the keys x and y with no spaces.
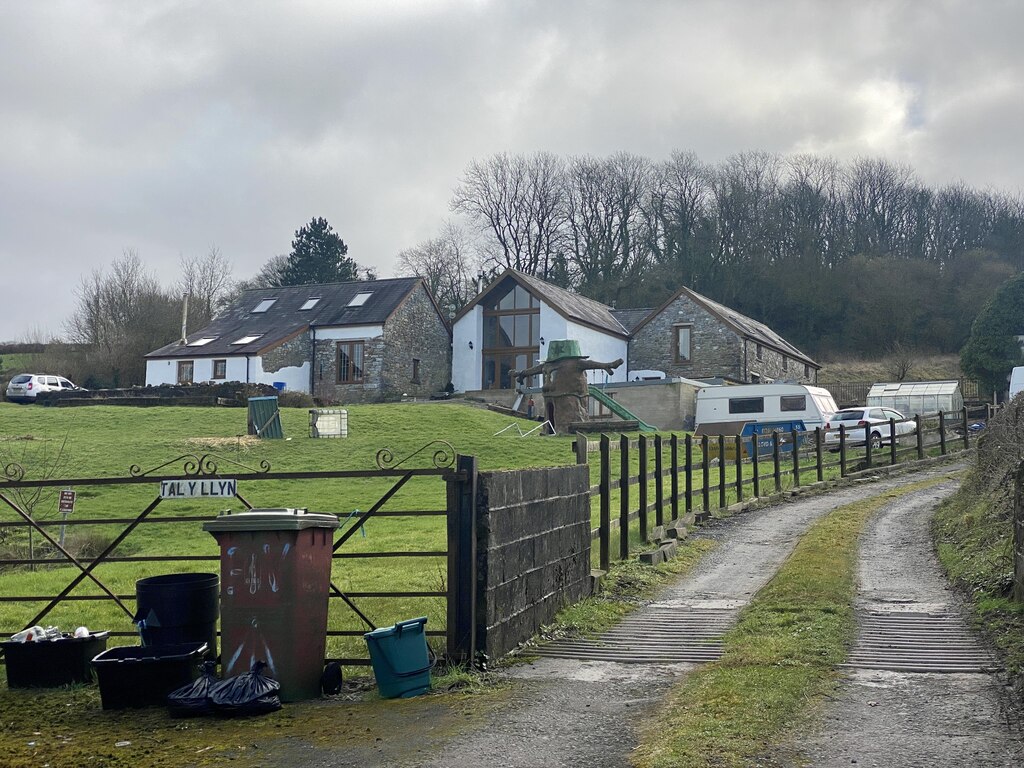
{"x":778,"y":663}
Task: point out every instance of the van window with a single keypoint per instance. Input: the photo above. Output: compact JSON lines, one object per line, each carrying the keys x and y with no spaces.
{"x":746,"y":405}
{"x":793,"y":403}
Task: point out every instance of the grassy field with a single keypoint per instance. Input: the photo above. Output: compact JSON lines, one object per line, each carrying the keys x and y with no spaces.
{"x":924,"y":368}
{"x":105,"y":441}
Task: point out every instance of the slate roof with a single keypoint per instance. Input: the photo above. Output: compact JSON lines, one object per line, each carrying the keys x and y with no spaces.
{"x":740,"y":323}
{"x":569,"y":305}
{"x":284,"y":319}
{"x":631,"y":318}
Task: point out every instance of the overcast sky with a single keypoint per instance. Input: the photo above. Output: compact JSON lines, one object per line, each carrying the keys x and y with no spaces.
{"x":173,"y":127}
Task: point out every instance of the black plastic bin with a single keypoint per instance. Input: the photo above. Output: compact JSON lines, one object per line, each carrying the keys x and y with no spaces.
{"x":178,"y":608}
{"x":52,"y":663}
{"x":133,"y":676}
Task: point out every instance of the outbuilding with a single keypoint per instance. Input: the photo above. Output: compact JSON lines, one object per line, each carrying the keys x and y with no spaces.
{"x":917,"y":397}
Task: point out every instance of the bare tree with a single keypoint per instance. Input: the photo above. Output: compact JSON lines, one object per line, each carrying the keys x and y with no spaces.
{"x":607,"y":222}
{"x":122,"y":315}
{"x":206,"y":280}
{"x":518,"y":200}
{"x":444,"y":263}
{"x":900,"y":360}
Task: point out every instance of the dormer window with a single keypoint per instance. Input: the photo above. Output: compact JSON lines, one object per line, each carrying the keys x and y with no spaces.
{"x":202,"y":342}
{"x":264,"y":305}
{"x":310,"y":303}
{"x":247,"y":339}
{"x":359,"y":299}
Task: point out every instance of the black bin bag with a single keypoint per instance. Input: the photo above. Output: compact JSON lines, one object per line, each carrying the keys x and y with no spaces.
{"x":193,"y":699}
{"x":251,"y":693}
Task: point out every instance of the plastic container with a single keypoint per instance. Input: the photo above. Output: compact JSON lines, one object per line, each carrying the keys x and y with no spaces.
{"x":400,"y":658}
{"x":132,"y":676}
{"x":178,"y":608}
{"x":51,"y":663}
{"x":276,"y":571}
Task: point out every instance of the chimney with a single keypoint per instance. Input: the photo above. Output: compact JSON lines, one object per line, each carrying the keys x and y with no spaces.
{"x":184,"y":322}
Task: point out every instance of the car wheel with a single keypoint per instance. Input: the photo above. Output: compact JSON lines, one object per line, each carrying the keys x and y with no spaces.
{"x":876,"y":441}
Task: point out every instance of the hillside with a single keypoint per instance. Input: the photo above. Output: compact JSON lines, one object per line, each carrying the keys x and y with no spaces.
{"x":923,"y":368}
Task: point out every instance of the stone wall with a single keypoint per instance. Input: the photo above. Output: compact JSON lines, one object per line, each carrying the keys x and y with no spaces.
{"x":294,"y":352}
{"x":716,"y":351}
{"x":533,"y":551}
{"x":414,"y":331}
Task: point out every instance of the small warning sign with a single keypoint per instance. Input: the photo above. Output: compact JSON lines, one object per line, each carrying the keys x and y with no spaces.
{"x":66,"y":505}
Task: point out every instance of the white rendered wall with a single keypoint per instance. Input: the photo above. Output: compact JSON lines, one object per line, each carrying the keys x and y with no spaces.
{"x":350,"y":333}
{"x":467,"y":363}
{"x":165,"y":371}
{"x":601,"y":347}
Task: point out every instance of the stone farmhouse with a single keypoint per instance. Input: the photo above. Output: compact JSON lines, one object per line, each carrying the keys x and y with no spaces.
{"x":507,"y":327}
{"x":343,"y":342}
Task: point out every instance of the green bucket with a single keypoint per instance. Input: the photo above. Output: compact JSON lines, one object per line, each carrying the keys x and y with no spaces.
{"x":400,"y":659}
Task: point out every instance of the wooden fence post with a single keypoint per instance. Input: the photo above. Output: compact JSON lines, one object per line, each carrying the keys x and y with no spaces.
{"x":868,"y":452}
{"x":580,"y":445}
{"x":892,"y":441}
{"x":721,"y":471}
{"x":605,"y":526}
{"x":642,"y":490}
{"x":706,"y":483}
{"x":796,"y":458}
{"x":624,"y":501}
{"x":920,"y":436}
{"x":942,"y":433}
{"x":659,"y":483}
{"x":1018,"y":536}
{"x":776,"y":462}
{"x":819,"y":456}
{"x":755,"y":457}
{"x":688,"y":445}
{"x":739,"y":468}
{"x":967,"y":433}
{"x":842,"y":450}
{"x":674,"y":450}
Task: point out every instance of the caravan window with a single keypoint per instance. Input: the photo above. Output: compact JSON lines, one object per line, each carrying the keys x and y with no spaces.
{"x":793,"y":403}
{"x":746,"y":405}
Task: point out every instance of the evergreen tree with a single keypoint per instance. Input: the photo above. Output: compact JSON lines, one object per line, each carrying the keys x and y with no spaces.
{"x":318,"y":256}
{"x":993,"y":348}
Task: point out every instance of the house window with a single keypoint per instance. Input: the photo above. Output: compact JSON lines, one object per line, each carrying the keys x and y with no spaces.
{"x":511,"y":334}
{"x":220,"y":369}
{"x":185,"y":368}
{"x":360,"y":298}
{"x":415,"y":370}
{"x":350,"y":362}
{"x":683,"y":334}
{"x":309,"y":304}
{"x":807,"y":371}
{"x":264,"y":305}
{"x":759,"y":352}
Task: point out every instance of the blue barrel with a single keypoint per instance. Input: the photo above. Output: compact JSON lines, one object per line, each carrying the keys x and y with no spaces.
{"x":178,"y":608}
{"x":400,"y":658}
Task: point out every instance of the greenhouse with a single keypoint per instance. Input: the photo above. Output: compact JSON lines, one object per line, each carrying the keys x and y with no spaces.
{"x":917,"y":397}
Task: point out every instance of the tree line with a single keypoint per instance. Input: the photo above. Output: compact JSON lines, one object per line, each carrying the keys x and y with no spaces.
{"x":835,"y":256}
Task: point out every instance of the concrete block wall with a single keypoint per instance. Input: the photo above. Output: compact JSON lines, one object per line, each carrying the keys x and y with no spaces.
{"x":533,"y":551}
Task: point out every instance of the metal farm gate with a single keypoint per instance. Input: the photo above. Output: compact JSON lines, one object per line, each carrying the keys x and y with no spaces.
{"x":405,"y":562}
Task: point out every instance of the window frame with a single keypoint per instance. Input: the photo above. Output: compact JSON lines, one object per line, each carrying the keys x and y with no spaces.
{"x":787,"y":407}
{"x":739,"y":405}
{"x":224,"y":373}
{"x":415,"y":371}
{"x":676,"y":331}
{"x":183,"y":365}
{"x":349,"y":346}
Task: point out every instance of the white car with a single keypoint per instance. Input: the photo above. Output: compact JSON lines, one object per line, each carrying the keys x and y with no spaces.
{"x":24,"y":387}
{"x":863,"y":424}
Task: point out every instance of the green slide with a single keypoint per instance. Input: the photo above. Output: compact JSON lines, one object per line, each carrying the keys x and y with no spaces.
{"x":618,"y":410}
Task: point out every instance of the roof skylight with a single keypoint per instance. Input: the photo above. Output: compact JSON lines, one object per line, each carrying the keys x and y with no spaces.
{"x":310,"y":303}
{"x":359,"y":299}
{"x":247,"y":339}
{"x":264,"y":305}
{"x":202,"y":342}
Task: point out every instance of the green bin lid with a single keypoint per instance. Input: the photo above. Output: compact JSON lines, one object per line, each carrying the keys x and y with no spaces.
{"x":271,"y":520}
